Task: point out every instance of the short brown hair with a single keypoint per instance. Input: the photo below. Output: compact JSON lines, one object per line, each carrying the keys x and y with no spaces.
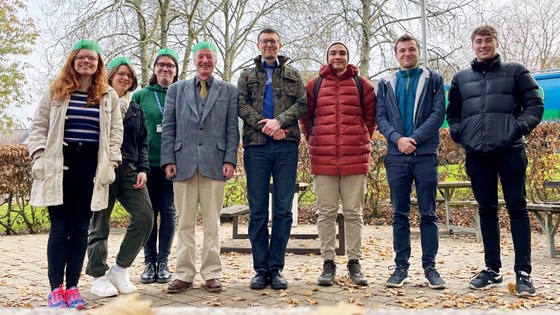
{"x":268,"y":30}
{"x":406,"y":38}
{"x":485,"y":30}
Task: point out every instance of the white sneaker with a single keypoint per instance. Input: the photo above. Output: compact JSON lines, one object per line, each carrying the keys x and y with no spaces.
{"x":103,"y":287}
{"x":121,"y":280}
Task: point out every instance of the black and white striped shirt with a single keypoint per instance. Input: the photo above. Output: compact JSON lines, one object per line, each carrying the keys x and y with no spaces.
{"x":82,"y":122}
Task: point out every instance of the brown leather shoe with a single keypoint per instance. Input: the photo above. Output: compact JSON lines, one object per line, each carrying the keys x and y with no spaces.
{"x":213,"y":285}
{"x":178,"y":286}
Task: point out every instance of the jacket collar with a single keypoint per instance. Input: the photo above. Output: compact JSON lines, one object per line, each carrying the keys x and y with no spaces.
{"x":487,"y":65}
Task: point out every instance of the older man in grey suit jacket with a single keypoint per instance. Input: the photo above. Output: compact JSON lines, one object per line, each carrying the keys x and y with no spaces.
{"x":199,"y":144}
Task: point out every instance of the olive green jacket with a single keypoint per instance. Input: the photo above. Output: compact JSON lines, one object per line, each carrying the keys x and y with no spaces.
{"x":290,"y":101}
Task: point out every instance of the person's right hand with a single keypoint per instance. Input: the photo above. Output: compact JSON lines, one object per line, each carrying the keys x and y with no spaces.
{"x":170,"y":170}
{"x":406,"y":145}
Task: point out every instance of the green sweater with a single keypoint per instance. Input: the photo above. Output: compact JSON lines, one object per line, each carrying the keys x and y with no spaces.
{"x":146,"y":99}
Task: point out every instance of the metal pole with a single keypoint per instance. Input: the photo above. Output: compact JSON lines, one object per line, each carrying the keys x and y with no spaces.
{"x":424,"y":41}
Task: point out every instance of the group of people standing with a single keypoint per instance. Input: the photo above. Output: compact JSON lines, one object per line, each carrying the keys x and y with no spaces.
{"x":169,"y":148}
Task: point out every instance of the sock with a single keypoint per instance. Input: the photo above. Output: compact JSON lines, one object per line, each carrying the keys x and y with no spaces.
{"x":116,"y":268}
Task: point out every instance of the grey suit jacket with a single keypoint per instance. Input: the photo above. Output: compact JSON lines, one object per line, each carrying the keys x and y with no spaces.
{"x":193,"y":143}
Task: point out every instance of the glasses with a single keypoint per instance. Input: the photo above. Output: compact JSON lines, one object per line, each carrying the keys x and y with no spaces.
{"x":266,"y":42}
{"x":122,"y":74}
{"x":82,"y":58}
{"x":161,"y":65}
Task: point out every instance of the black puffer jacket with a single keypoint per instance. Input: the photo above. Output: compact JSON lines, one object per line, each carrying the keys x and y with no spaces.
{"x":492,"y":105}
{"x":135,"y":138}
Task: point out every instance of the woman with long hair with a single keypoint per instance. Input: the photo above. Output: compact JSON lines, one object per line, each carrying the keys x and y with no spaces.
{"x":74,"y":141}
{"x":129,"y":188}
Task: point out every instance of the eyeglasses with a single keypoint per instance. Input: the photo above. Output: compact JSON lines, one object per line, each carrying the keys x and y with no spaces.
{"x":82,"y":58}
{"x":265,"y":42}
{"x":122,"y":74}
{"x":162,"y":65}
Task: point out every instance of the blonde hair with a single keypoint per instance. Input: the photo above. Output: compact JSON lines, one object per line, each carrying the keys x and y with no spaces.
{"x":68,"y":81}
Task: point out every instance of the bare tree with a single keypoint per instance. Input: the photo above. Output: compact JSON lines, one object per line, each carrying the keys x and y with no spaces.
{"x":530,"y":32}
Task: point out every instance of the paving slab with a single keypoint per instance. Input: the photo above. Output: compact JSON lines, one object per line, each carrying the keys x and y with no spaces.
{"x":24,"y":284}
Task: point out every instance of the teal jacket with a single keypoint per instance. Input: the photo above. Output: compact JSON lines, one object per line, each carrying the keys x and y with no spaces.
{"x":154,"y":117}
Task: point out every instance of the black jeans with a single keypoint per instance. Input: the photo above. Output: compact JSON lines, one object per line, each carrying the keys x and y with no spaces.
{"x":161,"y":194}
{"x":67,"y":242}
{"x":484,"y":170}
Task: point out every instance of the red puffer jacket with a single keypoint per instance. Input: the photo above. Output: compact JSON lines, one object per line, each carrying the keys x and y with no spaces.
{"x":339,"y":143}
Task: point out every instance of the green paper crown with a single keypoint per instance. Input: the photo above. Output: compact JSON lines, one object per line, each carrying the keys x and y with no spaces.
{"x":87,"y":44}
{"x":204,"y":45}
{"x":168,"y":52}
{"x":119,"y":61}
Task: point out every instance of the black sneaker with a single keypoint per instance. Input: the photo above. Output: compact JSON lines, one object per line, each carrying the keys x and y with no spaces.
{"x":329,"y":272}
{"x":524,"y":285}
{"x":434,"y":279}
{"x":355,"y":272}
{"x":398,"y":278}
{"x":486,"y":279}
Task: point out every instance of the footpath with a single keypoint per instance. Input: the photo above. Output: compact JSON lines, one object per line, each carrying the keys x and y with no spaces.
{"x":24,"y":284}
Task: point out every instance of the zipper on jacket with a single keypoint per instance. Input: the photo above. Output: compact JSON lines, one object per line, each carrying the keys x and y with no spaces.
{"x":338,"y":126}
{"x":483,"y":111}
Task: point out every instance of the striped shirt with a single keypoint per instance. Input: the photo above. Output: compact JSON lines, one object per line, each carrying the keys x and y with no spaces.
{"x":82,"y":122}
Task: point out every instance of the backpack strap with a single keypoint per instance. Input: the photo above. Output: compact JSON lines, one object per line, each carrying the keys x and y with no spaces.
{"x":317,"y":86}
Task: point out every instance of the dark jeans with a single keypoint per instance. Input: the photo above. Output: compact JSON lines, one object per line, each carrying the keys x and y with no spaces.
{"x":161,"y":194}
{"x":279,"y":159}
{"x":137,"y":203}
{"x":402,"y":171}
{"x":66,"y":247}
{"x":484,"y":170}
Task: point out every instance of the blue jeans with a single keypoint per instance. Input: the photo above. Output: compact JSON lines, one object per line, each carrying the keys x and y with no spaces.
{"x":402,"y":170}
{"x":161,"y":194}
{"x":484,"y":170}
{"x":279,"y":159}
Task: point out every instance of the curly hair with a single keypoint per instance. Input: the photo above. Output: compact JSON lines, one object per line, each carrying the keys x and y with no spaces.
{"x":68,"y":81}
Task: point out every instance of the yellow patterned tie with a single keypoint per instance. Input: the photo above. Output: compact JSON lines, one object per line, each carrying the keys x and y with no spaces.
{"x":203,"y":91}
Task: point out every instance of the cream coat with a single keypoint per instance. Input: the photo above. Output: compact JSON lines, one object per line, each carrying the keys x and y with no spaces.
{"x":46,"y":142}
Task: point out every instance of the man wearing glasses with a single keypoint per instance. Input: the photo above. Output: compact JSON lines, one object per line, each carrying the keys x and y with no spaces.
{"x":272,"y":99}
{"x":152,"y":100}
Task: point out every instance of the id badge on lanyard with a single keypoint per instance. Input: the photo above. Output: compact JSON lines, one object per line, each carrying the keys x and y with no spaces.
{"x":159,"y":127}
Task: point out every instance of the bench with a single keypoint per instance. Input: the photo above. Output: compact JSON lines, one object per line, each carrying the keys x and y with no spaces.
{"x":233,"y":212}
{"x":545,"y":215}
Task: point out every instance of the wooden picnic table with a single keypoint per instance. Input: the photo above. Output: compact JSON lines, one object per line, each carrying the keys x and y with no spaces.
{"x":447,"y":190}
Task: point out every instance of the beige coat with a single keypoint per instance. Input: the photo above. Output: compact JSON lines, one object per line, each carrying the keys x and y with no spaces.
{"x":46,"y":143}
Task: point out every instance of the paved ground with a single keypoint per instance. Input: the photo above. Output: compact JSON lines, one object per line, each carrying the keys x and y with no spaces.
{"x":23,"y":279}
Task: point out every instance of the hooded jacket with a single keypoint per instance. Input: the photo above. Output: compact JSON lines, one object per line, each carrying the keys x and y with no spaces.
{"x":492,"y":105}
{"x":154,"y":117}
{"x":340,"y":142}
{"x":429,"y":112}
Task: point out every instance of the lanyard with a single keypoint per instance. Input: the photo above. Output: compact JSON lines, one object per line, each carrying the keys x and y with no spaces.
{"x":158,"y":103}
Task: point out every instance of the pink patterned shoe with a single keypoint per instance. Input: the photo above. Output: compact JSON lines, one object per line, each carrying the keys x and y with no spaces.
{"x":74,"y":299}
{"x":56,"y":298}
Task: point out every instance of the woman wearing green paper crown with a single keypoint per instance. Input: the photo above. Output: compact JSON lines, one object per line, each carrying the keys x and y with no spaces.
{"x":129,"y":188}
{"x":152,"y":101}
{"x":74,"y":141}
